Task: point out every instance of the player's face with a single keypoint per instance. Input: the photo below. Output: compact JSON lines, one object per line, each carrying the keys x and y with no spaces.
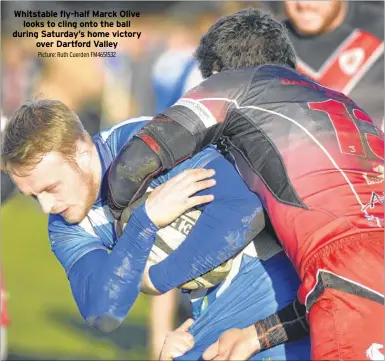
{"x":315,"y":17}
{"x":60,"y":186}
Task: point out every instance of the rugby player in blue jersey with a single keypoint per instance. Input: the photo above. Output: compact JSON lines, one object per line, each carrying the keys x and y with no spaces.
{"x":50,"y":156}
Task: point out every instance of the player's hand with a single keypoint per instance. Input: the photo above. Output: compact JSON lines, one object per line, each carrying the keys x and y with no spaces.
{"x":234,"y":344}
{"x":178,"y":342}
{"x":170,"y":200}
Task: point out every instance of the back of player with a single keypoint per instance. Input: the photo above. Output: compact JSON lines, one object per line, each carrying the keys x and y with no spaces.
{"x":315,"y":156}
{"x":311,"y":154}
{"x":317,"y":165}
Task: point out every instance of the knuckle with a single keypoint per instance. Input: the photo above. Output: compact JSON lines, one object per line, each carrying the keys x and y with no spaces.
{"x":207,"y":183}
{"x":200,"y":185}
{"x":182,"y":175}
{"x":196,"y":173}
{"x":190,"y":204}
{"x":199,"y":172}
{"x":191,"y":200}
{"x":195,"y":187}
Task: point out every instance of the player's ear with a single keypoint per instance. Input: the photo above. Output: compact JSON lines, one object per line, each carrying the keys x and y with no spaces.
{"x":83,"y":154}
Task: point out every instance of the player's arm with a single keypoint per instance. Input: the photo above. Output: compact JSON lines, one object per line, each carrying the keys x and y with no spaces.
{"x":286,"y":325}
{"x":225,"y":227}
{"x":172,"y":136}
{"x":104,"y":285}
{"x":161,"y":320}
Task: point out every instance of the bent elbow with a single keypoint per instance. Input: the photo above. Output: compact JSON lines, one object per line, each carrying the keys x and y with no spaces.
{"x":105,"y":323}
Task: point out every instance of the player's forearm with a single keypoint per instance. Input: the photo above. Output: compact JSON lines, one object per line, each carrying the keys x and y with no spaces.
{"x":160,"y":145}
{"x":225,"y":227}
{"x":105,"y":286}
{"x":286,"y":325}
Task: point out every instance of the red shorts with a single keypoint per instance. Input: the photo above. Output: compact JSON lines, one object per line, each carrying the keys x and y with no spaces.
{"x":343,"y":290}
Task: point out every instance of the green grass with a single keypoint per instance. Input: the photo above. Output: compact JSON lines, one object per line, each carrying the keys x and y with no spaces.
{"x":45,"y":320}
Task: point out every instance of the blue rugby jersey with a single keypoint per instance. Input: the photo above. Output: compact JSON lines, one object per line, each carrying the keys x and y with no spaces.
{"x":105,"y":273}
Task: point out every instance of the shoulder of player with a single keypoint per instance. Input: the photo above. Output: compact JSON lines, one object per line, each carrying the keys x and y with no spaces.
{"x":228,"y":82}
{"x":267,"y":77}
{"x":235,"y":85}
{"x":272,"y":72}
{"x":56,"y":221}
{"x":199,"y":160}
{"x":130,"y":126}
{"x":59,"y":230}
{"x":204,"y":157}
{"x":57,"y":226}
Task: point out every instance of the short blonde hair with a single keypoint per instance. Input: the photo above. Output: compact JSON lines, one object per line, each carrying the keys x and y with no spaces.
{"x":37,"y":128}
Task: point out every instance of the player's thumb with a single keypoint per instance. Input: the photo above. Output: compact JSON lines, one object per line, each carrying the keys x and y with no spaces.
{"x":185,"y":326}
{"x":211,"y":352}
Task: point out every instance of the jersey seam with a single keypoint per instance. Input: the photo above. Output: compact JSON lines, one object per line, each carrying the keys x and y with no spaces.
{"x":205,"y":162}
{"x":302,"y":204}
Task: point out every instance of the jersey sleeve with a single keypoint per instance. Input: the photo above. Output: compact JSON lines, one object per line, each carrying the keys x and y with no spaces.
{"x":70,"y":242}
{"x":104,"y":284}
{"x":225,"y":227}
{"x":197,"y":119}
{"x":200,"y":160}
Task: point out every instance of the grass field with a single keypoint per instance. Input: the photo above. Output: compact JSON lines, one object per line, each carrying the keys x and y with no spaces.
{"x":45,"y":321}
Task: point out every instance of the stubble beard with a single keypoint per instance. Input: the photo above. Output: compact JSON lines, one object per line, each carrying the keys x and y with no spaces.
{"x":90,"y":198}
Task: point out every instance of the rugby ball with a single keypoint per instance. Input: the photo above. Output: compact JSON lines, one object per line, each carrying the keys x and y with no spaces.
{"x":169,"y":238}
